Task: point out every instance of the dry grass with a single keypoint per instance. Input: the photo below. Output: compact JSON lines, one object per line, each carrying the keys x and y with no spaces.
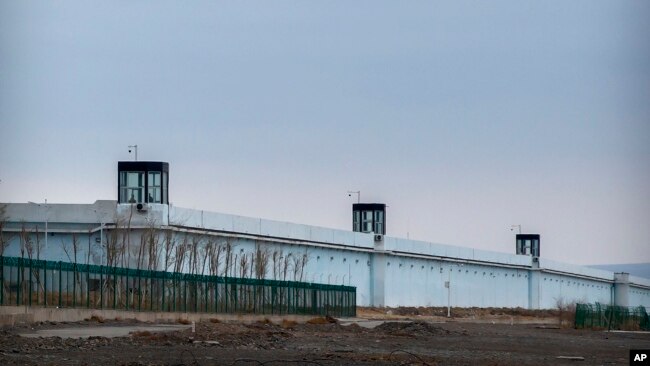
{"x":566,"y":312}
{"x":97,"y":319}
{"x":265,"y":321}
{"x":321,"y":320}
{"x":288,"y":324}
{"x":184,"y":321}
{"x":215,"y":320}
{"x":405,"y":312}
{"x":141,"y":333}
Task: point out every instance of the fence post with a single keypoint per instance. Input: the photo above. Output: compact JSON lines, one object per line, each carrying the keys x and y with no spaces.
{"x":255,"y":298}
{"x":2,"y":280}
{"x":162,"y":305}
{"x":31,"y":280}
{"x":74,"y":285}
{"x":87,"y":287}
{"x":45,"y":283}
{"x":101,"y":286}
{"x":185,"y":295}
{"x":139,"y":290}
{"x":114,"y":287}
{"x":127,"y":289}
{"x":225,"y":287}
{"x":300,"y":297}
{"x":151,"y":276}
{"x":60,"y":283}
{"x":205,"y":287}
{"x":20,"y":270}
{"x":216,"y":294}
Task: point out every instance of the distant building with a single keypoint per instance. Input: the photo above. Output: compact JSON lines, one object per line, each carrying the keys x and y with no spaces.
{"x":141,"y":230}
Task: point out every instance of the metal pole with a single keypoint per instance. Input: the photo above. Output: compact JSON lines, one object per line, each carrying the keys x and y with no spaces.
{"x":47,"y":211}
{"x":60,"y":282}
{"x":101,"y":243}
{"x":449,"y":294}
{"x":2,"y":280}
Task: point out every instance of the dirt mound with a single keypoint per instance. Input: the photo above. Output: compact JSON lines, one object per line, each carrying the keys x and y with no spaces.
{"x":322,"y":320}
{"x":411,"y":329}
{"x":393,"y":343}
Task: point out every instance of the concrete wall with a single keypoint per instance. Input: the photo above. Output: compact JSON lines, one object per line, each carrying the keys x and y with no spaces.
{"x":13,"y":315}
{"x":268,"y":228}
{"x":390,"y":272}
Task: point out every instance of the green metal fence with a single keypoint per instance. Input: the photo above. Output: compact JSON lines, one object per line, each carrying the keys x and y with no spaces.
{"x":598,"y":316}
{"x":61,"y":284}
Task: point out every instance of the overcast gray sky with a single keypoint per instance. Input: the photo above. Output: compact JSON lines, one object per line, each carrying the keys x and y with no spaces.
{"x":464,"y":117}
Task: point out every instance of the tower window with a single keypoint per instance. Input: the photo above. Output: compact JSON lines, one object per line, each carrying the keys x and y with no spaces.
{"x":369,"y":218}
{"x":367,"y":221}
{"x":379,"y":222}
{"x":142,"y":182}
{"x":356,"y":221}
{"x":132,"y":187}
{"x":155,"y":187}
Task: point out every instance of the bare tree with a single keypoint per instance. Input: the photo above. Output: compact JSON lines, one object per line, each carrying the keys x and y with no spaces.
{"x":114,"y":240}
{"x":127,"y":238}
{"x":4,"y":242}
{"x":28,"y":245}
{"x":214,"y":253}
{"x":71,"y":253}
{"x":299,"y":263}
{"x":261,"y":261}
{"x":228,"y":257}
{"x":179,"y":254}
{"x":149,"y":250}
{"x":285,"y":265}
{"x":566,"y":311}
{"x":169,"y":243}
{"x":277,"y":258}
{"x":194,"y":245}
{"x":243,"y":265}
{"x":25,"y":242}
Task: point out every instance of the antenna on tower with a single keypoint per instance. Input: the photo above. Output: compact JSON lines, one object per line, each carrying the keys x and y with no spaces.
{"x":134,"y":147}
{"x":512,"y":228}
{"x":358,"y":193}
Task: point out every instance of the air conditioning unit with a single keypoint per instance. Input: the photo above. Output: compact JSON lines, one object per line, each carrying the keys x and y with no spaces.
{"x":379,"y":237}
{"x":141,"y":207}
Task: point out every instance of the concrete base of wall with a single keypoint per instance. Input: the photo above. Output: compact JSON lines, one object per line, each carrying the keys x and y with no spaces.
{"x":14,"y":315}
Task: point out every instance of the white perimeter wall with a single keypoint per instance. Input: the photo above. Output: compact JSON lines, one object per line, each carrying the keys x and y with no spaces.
{"x":410,"y":273}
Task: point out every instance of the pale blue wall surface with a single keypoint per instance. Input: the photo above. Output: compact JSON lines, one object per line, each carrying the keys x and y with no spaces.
{"x":389,"y":272}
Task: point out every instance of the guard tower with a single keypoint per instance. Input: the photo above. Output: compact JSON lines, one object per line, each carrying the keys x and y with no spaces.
{"x":142,"y":182}
{"x":528,"y":244}
{"x":369,"y":218}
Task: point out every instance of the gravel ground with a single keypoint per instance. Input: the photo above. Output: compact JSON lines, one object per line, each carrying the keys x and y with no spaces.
{"x":323,"y":343}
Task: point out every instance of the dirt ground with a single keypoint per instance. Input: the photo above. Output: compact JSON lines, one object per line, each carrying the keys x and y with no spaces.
{"x":409,"y":339}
